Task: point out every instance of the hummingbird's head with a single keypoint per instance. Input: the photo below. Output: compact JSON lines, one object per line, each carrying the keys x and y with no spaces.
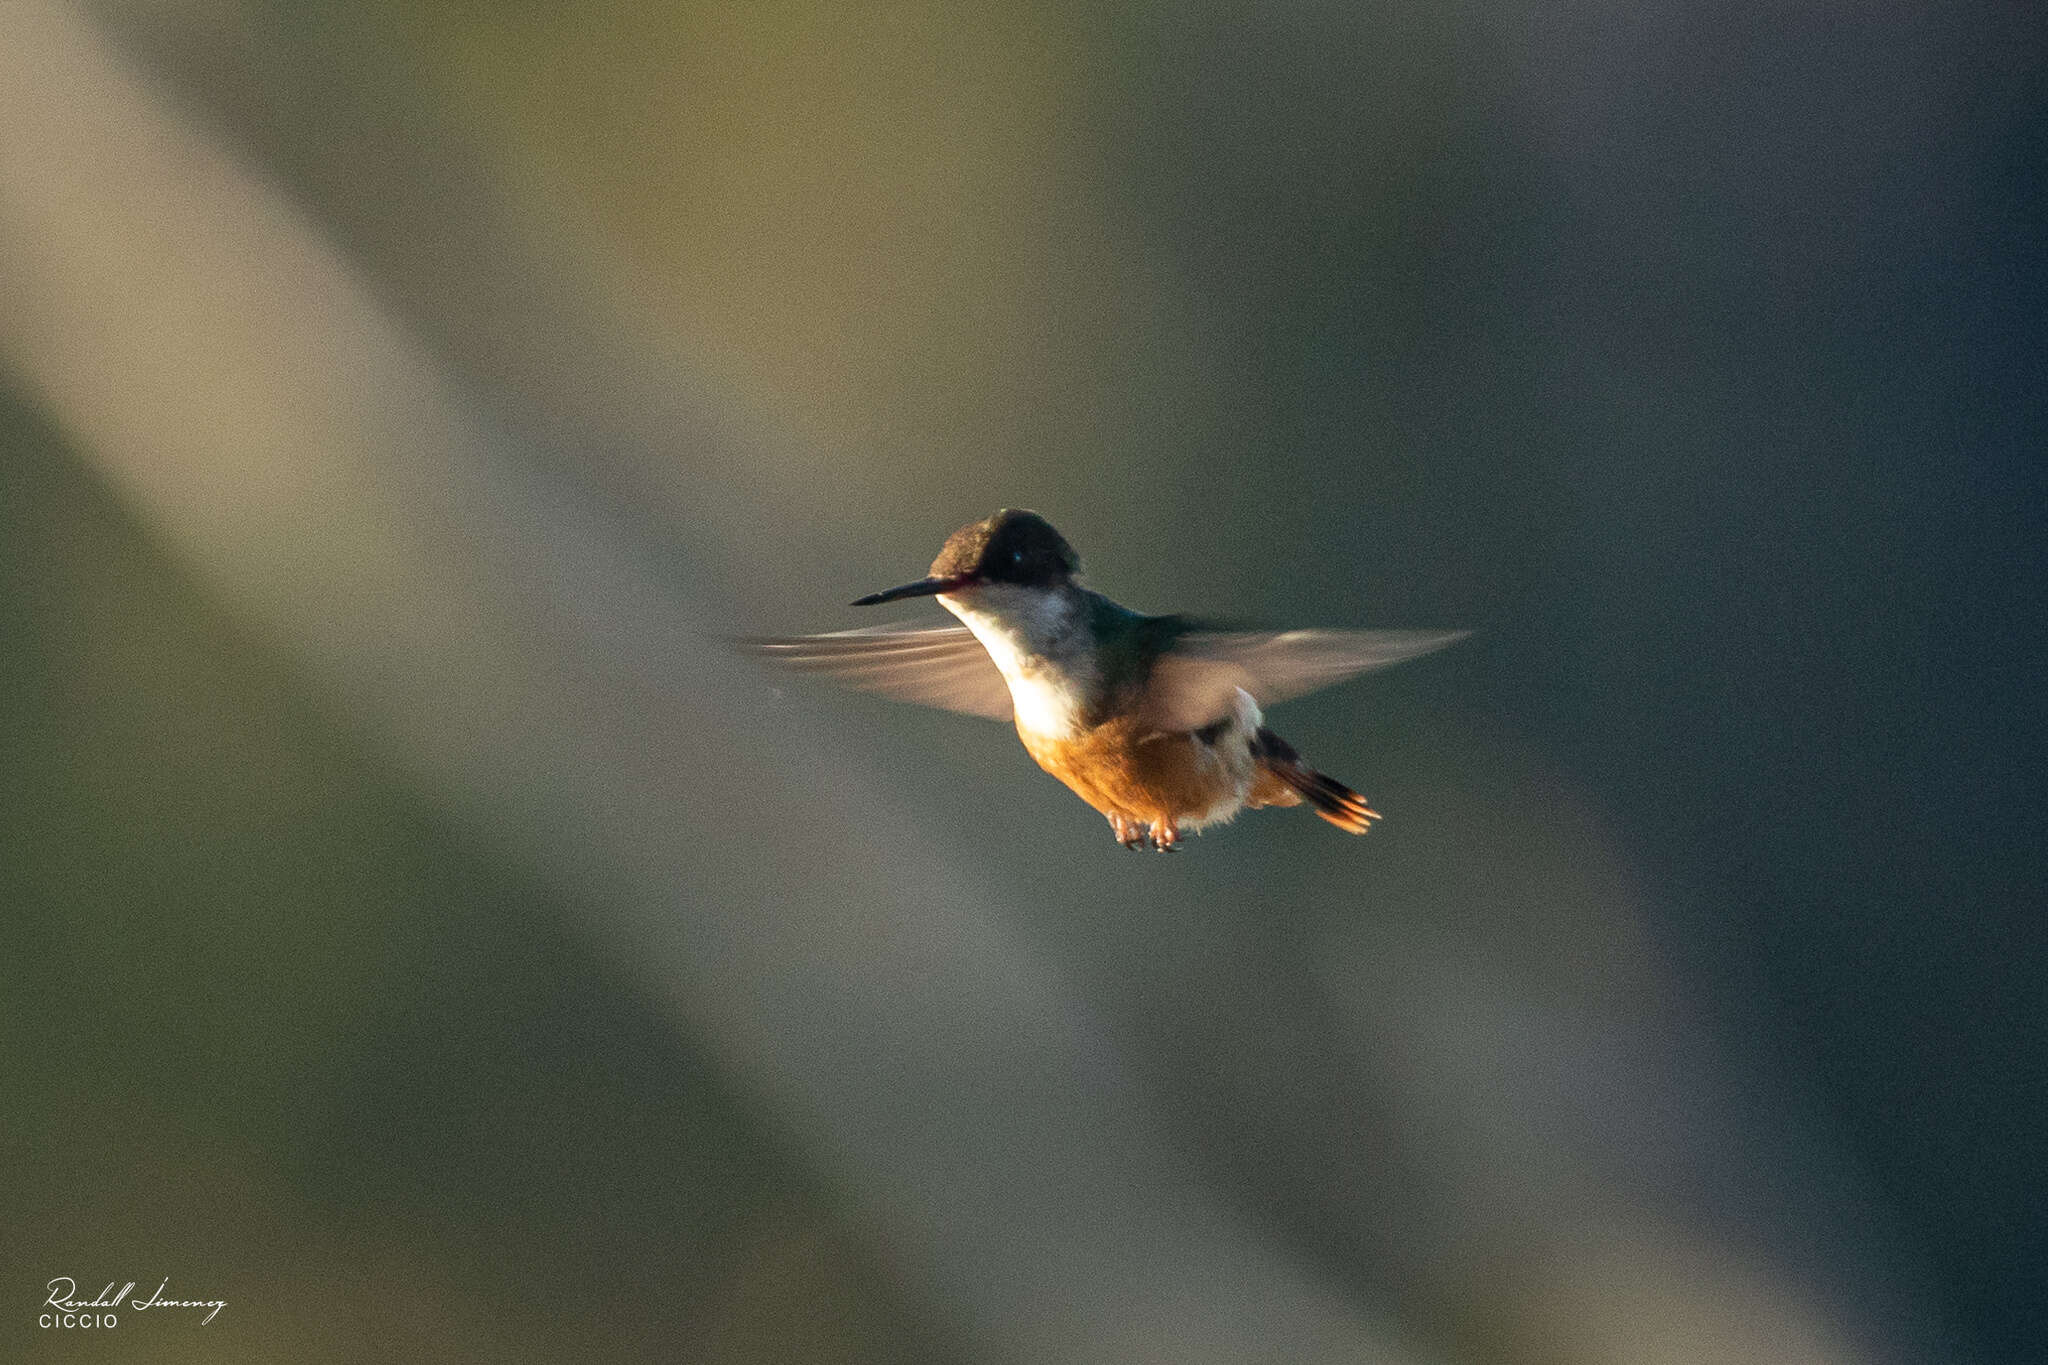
{"x":1013,"y":547}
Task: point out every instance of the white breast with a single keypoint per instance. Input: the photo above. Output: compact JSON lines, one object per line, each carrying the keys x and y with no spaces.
{"x":1049,"y":706}
{"x":1030,"y":636}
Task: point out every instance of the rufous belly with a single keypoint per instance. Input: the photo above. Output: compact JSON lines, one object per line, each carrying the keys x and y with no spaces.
{"x":1172,"y":778}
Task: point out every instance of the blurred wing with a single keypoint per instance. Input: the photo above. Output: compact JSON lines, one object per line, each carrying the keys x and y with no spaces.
{"x":1194,"y":681}
{"x":942,"y":666}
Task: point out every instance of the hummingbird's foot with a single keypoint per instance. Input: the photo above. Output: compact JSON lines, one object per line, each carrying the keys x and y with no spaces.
{"x":1129,"y":832}
{"x":1165,"y":837}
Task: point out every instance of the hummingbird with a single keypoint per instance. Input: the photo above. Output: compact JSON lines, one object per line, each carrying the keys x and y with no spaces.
{"x":1155,"y":721}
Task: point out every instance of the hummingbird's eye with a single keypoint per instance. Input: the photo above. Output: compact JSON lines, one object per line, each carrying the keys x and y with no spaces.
{"x":1016,"y":556}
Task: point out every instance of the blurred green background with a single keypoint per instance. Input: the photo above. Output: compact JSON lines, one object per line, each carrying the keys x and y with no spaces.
{"x":423,"y":936}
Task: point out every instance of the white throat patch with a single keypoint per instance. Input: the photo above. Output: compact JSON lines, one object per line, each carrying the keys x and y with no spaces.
{"x":1031,"y":637}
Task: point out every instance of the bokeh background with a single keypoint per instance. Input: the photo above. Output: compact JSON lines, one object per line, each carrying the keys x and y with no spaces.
{"x":423,"y":935}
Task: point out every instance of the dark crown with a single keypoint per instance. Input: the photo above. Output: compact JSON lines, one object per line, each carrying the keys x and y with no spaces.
{"x":1013,"y":546}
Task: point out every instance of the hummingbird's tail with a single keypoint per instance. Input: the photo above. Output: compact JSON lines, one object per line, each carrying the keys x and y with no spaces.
{"x":1334,"y":801}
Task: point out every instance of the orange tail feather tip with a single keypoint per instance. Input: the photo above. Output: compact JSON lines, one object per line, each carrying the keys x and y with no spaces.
{"x":1332,"y":800}
{"x":1353,"y":817}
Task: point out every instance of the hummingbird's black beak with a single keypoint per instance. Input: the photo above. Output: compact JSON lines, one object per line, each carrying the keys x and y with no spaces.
{"x":924,"y":587}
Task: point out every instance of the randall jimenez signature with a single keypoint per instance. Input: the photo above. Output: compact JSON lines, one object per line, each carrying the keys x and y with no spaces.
{"x":72,"y":1311}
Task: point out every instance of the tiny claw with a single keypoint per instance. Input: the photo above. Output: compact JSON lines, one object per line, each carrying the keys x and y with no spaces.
{"x":1129,"y":833}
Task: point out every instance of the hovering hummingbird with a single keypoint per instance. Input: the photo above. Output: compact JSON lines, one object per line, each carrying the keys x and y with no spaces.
{"x":1152,"y":720}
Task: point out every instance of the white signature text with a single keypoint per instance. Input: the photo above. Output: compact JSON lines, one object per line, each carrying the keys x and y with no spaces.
{"x":74,"y":1311}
